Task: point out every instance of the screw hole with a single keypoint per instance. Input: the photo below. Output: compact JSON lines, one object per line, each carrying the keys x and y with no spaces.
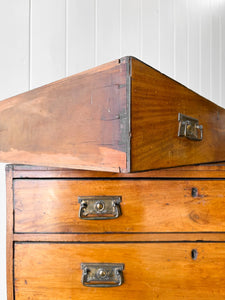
{"x":194,"y":254}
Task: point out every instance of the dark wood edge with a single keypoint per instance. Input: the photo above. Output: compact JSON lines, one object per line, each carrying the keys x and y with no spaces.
{"x":199,"y":171}
{"x":128,"y":124}
{"x":205,"y":166}
{"x":121,"y":237}
{"x":127,"y":121}
{"x":9,"y":230}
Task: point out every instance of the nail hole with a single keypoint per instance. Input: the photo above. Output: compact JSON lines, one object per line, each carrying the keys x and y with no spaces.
{"x":194,"y":254}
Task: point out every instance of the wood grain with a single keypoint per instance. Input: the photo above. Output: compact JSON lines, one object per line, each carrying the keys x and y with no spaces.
{"x":147,"y":205}
{"x":156,"y":102}
{"x":152,"y":271}
{"x":157,"y":265}
{"x":77,"y":122}
{"x":118,"y":117}
{"x":9,"y":233}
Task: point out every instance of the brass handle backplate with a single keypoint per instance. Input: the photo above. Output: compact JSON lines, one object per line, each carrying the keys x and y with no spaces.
{"x":189,"y":128}
{"x":99,"y":207}
{"x":102,"y":274}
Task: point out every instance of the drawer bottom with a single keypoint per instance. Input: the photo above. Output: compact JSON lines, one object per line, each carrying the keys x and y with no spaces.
{"x":151,"y":270}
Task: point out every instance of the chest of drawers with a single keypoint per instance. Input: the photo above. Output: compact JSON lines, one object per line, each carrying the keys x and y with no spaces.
{"x":95,"y":235}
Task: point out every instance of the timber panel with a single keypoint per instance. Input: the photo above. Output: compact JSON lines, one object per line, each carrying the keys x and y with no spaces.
{"x":156,"y":102}
{"x":152,"y":271}
{"x":118,"y":117}
{"x":77,"y":122}
{"x":147,"y":205}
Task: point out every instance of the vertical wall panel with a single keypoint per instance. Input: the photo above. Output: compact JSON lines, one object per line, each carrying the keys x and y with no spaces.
{"x":167,"y":37}
{"x":14,"y":79}
{"x":180,"y":48}
{"x":107,"y":30}
{"x":80,"y":35}
{"x":194,"y":44}
{"x":222,"y":51}
{"x":205,"y":49}
{"x":130,"y":17}
{"x":150,"y":32}
{"x":215,"y":54}
{"x":47,"y":41}
{"x":14,"y":52}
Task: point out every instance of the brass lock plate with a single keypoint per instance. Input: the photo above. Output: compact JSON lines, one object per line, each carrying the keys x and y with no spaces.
{"x":102,"y":274}
{"x":99,"y":207}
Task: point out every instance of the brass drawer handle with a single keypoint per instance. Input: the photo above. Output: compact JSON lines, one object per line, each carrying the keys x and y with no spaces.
{"x":189,"y":128}
{"x":102,"y":274}
{"x":99,"y":207}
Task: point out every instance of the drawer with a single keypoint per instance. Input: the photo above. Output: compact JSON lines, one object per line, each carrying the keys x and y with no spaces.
{"x":151,"y":270}
{"x":118,"y":117}
{"x":51,"y":205}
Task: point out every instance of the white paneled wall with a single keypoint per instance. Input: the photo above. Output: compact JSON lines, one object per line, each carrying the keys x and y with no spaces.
{"x":45,"y":40}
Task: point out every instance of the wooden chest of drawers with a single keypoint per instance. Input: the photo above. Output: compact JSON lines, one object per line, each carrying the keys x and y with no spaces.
{"x":149,"y":235}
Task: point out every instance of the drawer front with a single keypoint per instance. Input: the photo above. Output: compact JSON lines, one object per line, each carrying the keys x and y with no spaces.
{"x":151,"y":271}
{"x":51,"y":206}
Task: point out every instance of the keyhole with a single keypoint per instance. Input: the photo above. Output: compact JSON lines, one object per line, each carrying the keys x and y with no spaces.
{"x":194,"y":254}
{"x":194,"y":192}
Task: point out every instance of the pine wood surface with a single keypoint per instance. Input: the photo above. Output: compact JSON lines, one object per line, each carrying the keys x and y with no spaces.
{"x":147,"y":205}
{"x":152,"y":271}
{"x":47,"y":265}
{"x":156,"y":102}
{"x":74,"y":122}
{"x":118,"y":117}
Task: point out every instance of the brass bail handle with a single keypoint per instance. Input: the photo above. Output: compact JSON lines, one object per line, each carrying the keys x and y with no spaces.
{"x":99,"y":207}
{"x":102,"y":274}
{"x":189,"y":127}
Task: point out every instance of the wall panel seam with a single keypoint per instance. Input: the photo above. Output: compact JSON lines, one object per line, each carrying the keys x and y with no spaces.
{"x":188,"y":40}
{"x":220,"y":56}
{"x":159,"y":20}
{"x":174,"y":40}
{"x":30,"y":46}
{"x":200,"y":55}
{"x":120,"y":12}
{"x":96,"y":33}
{"x":66,"y":37}
{"x":210,"y":55}
{"x":140,"y":29}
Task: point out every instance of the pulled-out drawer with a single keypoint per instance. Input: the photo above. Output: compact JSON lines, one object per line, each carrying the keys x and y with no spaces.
{"x":123,"y":116}
{"x":124,"y":205}
{"x":61,"y":271}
